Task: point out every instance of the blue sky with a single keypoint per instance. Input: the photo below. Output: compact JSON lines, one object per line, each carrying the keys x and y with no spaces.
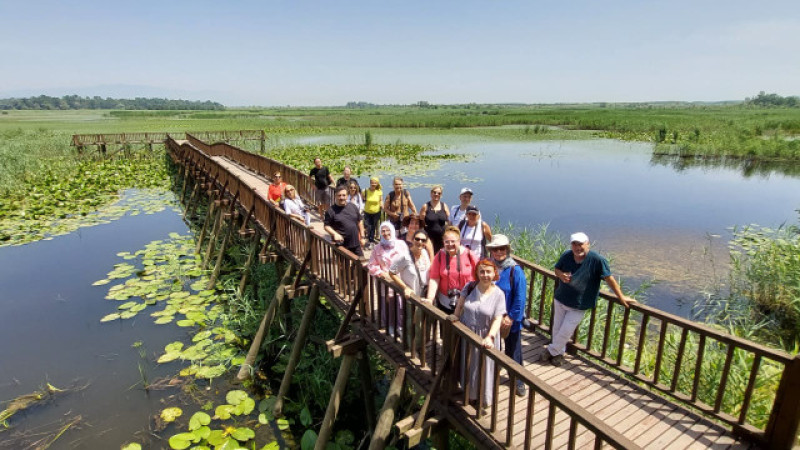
{"x":330,"y":52}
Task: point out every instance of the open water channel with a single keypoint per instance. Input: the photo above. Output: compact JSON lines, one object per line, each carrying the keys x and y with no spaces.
{"x":658,"y":222}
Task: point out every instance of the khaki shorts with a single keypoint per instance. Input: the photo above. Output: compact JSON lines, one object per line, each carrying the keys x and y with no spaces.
{"x":324,"y":196}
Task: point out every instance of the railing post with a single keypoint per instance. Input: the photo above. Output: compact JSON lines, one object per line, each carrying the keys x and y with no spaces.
{"x":784,"y":421}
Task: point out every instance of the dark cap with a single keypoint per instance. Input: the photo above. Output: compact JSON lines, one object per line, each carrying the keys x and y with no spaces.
{"x":472,"y":208}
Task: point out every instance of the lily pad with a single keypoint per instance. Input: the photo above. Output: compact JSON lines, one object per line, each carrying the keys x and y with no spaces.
{"x":198,"y":420}
{"x":132,"y":446}
{"x":170,"y":414}
{"x":224,"y":412}
{"x":110,"y":317}
{"x":243,"y":434}
{"x":101,"y":282}
{"x":181,"y":441}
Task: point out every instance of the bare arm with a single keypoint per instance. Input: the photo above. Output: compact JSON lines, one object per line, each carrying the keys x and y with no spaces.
{"x":459,"y":306}
{"x":411,"y":204}
{"x":612,"y":283}
{"x":488,"y":341}
{"x":433,"y":286}
{"x":387,"y":206}
{"x":487,"y":231}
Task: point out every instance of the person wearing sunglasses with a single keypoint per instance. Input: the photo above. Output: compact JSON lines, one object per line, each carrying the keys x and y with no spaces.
{"x":410,"y":271}
{"x":434,"y":215}
{"x":276,"y":189}
{"x":294,"y":206}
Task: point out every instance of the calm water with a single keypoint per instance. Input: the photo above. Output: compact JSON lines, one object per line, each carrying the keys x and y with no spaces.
{"x":657,"y":222}
{"x":51,"y":332}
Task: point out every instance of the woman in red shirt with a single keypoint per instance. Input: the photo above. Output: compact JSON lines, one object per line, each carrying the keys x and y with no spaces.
{"x":451,"y":269}
{"x":276,"y":188}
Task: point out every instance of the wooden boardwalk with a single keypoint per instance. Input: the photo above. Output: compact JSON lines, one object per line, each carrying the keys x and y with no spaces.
{"x":647,"y":419}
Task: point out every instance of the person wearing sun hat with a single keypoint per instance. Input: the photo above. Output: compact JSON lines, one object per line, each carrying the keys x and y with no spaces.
{"x":579,"y":271}
{"x":514,"y":285}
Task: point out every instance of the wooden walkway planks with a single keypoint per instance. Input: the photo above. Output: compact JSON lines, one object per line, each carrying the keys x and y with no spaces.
{"x":640,"y":415}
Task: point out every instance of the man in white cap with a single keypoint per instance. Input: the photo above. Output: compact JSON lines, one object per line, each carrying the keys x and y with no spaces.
{"x":579,"y":271}
{"x":457,"y":213}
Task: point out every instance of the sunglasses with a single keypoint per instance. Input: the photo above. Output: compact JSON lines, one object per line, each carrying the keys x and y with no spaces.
{"x":420,"y":239}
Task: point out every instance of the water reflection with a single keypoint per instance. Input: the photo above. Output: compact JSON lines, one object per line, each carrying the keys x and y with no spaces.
{"x":746,"y":167}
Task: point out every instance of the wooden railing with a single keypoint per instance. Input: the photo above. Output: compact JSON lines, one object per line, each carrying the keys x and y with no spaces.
{"x":101,"y":141}
{"x":348,"y":279}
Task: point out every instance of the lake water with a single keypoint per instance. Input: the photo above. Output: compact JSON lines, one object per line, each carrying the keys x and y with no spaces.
{"x":51,"y":333}
{"x":658,"y":219}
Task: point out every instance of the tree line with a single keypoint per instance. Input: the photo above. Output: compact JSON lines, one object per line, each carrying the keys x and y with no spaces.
{"x":96,"y":102}
{"x":763,"y":99}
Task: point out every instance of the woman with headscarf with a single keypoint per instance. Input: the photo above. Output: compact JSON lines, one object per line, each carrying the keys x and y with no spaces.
{"x":373,"y":203}
{"x":294,"y":206}
{"x":383,"y":255}
{"x":481,"y":307}
{"x":514,"y":285}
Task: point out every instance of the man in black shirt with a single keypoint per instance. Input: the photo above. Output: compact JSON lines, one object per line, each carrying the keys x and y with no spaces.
{"x":346,"y":179}
{"x":322,"y":178}
{"x":343,"y":222}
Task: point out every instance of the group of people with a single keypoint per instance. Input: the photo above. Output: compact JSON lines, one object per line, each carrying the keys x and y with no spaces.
{"x":450,"y":258}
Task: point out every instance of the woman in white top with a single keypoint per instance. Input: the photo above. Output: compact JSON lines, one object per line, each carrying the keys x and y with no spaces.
{"x":294,"y":206}
{"x":475,"y":233}
{"x":411,"y":271}
{"x":354,"y":195}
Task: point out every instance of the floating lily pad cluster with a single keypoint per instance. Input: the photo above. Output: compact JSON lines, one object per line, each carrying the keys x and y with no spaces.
{"x":51,"y":204}
{"x":400,"y":158}
{"x":226,"y":428}
{"x":159,"y":274}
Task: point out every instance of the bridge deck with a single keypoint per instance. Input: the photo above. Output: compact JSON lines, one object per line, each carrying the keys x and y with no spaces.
{"x":640,"y":415}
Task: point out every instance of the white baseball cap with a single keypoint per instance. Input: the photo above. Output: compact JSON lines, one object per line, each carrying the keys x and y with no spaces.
{"x":466,"y":190}
{"x":579,"y":237}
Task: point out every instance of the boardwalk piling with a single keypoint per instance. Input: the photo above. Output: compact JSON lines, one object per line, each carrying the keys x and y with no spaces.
{"x":333,"y":405}
{"x":209,"y":213}
{"x":785,"y":419}
{"x":222,"y":248}
{"x":266,"y":322}
{"x":297,"y":348}
{"x":251,"y":256}
{"x":212,"y":240}
{"x":365,"y":374}
{"x":386,"y":416}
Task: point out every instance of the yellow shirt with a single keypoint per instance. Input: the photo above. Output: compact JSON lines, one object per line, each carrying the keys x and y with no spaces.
{"x":372,"y":200}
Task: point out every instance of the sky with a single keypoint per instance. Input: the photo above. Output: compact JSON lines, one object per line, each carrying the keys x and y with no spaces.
{"x":303,"y":53}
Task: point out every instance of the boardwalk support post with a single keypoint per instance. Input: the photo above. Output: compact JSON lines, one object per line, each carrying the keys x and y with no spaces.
{"x":222,"y":248}
{"x":266,"y":322}
{"x":212,"y":242}
{"x":209,"y":214}
{"x":784,"y":422}
{"x":252,"y":254}
{"x":365,"y":373}
{"x":333,"y":405}
{"x":297,"y":348}
{"x":386,"y":416}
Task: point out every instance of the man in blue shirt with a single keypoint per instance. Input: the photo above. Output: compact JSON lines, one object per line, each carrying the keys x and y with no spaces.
{"x":579,"y":271}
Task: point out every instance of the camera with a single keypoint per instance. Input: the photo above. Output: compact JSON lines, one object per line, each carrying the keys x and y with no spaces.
{"x":453,"y":295}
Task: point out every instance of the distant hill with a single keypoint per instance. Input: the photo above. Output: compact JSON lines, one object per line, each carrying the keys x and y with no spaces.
{"x":44,"y":102}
